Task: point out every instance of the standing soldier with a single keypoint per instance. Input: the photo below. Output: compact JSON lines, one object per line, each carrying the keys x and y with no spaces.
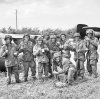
{"x":46,"y":38}
{"x":53,"y":47}
{"x":63,"y":39}
{"x":68,"y":68}
{"x":92,"y":55}
{"x":39,"y":51}
{"x":26,"y":46}
{"x":9,"y":52}
{"x":46,"y":41}
{"x":62,"y":42}
{"x":79,"y":55}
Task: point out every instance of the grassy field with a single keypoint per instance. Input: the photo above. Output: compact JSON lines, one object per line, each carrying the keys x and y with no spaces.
{"x":88,"y":89}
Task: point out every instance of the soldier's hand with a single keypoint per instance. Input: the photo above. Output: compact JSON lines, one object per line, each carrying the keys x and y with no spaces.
{"x":6,"y":51}
{"x":63,"y":51}
{"x":40,"y":52}
{"x":55,"y":73}
{"x":78,"y":50}
{"x":51,"y":52}
{"x":16,"y":54}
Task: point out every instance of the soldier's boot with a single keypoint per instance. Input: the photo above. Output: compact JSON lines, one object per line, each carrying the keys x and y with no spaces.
{"x":46,"y":78}
{"x":16,"y":75}
{"x":90,"y":74}
{"x":18,"y":81}
{"x":34,"y":78}
{"x":94,"y":71}
{"x":25,"y":80}
{"x":8,"y":80}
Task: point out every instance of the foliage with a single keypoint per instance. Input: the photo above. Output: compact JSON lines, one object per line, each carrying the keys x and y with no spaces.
{"x":36,"y":31}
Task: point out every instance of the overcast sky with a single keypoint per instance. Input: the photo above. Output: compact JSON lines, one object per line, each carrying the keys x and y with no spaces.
{"x":61,"y":14}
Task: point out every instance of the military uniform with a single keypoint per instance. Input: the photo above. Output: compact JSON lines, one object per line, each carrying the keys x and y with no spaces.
{"x":79,"y":55}
{"x":92,"y":55}
{"x":28,"y":59}
{"x":46,"y":41}
{"x":9,"y":52}
{"x":68,"y":68}
{"x":53,"y":47}
{"x":40,"y":52}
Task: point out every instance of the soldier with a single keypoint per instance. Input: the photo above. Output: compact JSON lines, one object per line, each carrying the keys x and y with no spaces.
{"x":92,"y":55}
{"x":9,"y":52}
{"x":79,"y":55}
{"x":26,"y":46}
{"x":46,"y":41}
{"x":68,"y":68}
{"x":53,"y":47}
{"x":39,"y":51}
{"x":62,"y":42}
{"x":63,"y":39}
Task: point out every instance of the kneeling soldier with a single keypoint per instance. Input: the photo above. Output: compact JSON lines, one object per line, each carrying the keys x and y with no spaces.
{"x":68,"y":68}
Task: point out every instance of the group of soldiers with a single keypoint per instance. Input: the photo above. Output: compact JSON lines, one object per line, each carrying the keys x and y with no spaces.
{"x":50,"y":56}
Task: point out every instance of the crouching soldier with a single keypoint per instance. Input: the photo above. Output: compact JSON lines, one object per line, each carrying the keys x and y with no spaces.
{"x":92,"y":55}
{"x":26,"y":46}
{"x":39,"y":51}
{"x":68,"y":68}
{"x":9,"y":52}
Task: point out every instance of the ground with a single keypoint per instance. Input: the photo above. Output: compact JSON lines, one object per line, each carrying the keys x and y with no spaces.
{"x":87,"y":89}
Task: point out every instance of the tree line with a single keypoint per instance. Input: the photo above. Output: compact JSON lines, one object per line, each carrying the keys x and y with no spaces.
{"x":36,"y":31}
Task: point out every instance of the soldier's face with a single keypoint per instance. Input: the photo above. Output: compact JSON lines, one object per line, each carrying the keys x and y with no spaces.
{"x":7,"y":41}
{"x":53,"y":39}
{"x":46,"y":37}
{"x":58,"y":59}
{"x":90,"y":35}
{"x":26,"y":39}
{"x":39,"y":42}
{"x":63,"y":37}
{"x":77,"y":38}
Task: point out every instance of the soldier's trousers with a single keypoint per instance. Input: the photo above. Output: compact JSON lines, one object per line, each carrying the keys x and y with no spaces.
{"x":92,"y":66}
{"x":80,"y":68}
{"x":41,"y":67}
{"x":32,"y":66}
{"x":50,"y":67}
{"x":11,"y":70}
{"x":70,"y":75}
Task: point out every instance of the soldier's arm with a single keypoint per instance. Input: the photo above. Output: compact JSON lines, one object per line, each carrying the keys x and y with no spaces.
{"x":46,"y":48}
{"x":66,"y":66}
{"x":30,"y":47}
{"x":3,"y":51}
{"x":84,"y":48}
{"x":20,"y":48}
{"x":68,"y":46}
{"x":94,"y":42}
{"x":36,"y":51}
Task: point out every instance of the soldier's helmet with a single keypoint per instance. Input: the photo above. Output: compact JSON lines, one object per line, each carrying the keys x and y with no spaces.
{"x":63,"y":34}
{"x":26,"y":35}
{"x":8,"y":37}
{"x":53,"y":37}
{"x":77,"y":35}
{"x":40,"y":38}
{"x":57,"y":54}
{"x":89,"y":31}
